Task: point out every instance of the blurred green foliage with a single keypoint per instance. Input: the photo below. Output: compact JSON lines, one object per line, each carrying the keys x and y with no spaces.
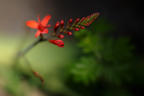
{"x":46,"y":59}
{"x":102,"y":55}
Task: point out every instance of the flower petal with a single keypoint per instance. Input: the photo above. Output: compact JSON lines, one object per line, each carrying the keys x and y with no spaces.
{"x":37,"y":33}
{"x":45,"y":31}
{"x":32,"y":24}
{"x":45,"y":20}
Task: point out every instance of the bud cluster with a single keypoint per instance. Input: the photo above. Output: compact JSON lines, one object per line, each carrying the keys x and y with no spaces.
{"x":73,"y":25}
{"x":61,"y":28}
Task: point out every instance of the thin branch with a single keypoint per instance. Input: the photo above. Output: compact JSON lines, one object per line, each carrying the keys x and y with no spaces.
{"x":25,"y":51}
{"x":36,"y":74}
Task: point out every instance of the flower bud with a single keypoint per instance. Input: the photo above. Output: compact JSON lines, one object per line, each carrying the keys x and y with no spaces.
{"x":70,"y":20}
{"x":57,"y":42}
{"x":69,"y":33}
{"x":82,"y":19}
{"x":77,"y":20}
{"x":76,"y":29}
{"x":56,"y":25}
{"x":61,"y":36}
{"x":82,"y":27}
{"x":62,"y":23}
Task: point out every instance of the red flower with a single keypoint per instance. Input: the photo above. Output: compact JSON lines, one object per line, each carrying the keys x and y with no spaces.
{"x":41,"y":25}
{"x":57,"y":42}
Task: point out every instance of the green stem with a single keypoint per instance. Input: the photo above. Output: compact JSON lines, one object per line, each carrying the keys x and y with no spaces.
{"x":25,"y":51}
{"x":22,"y":53}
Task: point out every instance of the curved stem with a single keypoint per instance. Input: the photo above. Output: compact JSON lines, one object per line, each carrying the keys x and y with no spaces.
{"x":25,"y":51}
{"x":22,"y":53}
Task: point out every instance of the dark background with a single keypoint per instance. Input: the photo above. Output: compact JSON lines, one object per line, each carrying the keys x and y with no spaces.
{"x":125,"y":15}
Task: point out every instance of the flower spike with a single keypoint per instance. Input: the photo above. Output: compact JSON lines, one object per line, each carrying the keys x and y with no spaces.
{"x":61,"y":28}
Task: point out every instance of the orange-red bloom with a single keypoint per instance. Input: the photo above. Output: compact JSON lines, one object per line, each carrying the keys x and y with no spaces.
{"x":41,"y":25}
{"x":57,"y":42}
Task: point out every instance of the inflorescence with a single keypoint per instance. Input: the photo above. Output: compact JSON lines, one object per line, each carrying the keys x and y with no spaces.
{"x":61,"y":28}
